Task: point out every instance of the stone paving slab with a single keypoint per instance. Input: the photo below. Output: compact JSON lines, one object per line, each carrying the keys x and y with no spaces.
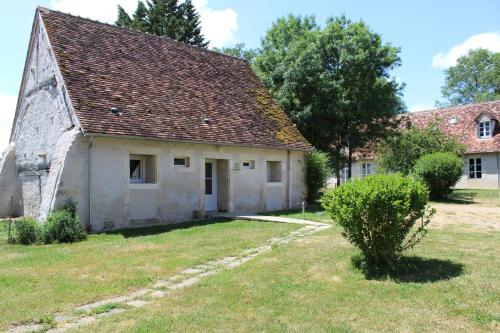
{"x":267,"y":218}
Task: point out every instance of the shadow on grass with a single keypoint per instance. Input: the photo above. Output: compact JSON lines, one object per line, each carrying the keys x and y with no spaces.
{"x":461,"y":198}
{"x":158,"y":229}
{"x":411,"y":269}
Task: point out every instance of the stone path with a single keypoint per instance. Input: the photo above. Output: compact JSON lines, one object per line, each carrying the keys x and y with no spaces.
{"x":91,"y":312}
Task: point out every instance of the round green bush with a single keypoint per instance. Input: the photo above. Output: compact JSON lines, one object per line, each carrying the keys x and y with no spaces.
{"x":28,"y":231}
{"x":64,"y":227}
{"x":440,"y":172}
{"x":377,"y":214}
{"x":317,"y":170}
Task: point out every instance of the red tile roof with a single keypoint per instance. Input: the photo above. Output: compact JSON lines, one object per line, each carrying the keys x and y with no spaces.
{"x":464,"y":127}
{"x":163,"y":88}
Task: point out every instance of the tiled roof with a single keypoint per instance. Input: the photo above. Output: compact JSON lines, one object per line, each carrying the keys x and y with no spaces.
{"x":463,"y":127}
{"x":163,"y":88}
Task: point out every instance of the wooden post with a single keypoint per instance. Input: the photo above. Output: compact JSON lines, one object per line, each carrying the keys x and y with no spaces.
{"x":303,"y":210}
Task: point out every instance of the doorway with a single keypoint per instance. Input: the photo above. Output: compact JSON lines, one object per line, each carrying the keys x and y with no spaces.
{"x":216,"y":185}
{"x":210,"y":185}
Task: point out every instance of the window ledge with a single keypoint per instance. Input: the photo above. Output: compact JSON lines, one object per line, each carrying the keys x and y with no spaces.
{"x":143,"y":186}
{"x":274,"y":184}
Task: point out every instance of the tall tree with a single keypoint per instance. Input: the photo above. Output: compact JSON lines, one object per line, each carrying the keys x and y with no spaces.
{"x":191,"y":29}
{"x":475,"y":78}
{"x":140,"y":19}
{"x":334,"y":83}
{"x":123,"y":19}
{"x":238,"y":51}
{"x":165,"y":18}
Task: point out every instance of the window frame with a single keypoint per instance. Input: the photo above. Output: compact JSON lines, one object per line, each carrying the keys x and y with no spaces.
{"x":250,"y":166}
{"x":484,"y":129}
{"x":344,"y":172}
{"x":186,"y":161}
{"x":142,"y":169}
{"x":365,"y":167}
{"x":148,"y":168}
{"x":269,"y":172}
{"x":475,"y":168}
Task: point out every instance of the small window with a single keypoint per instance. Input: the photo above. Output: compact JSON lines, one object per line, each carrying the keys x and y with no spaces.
{"x":344,"y":175}
{"x":484,"y":129}
{"x":475,"y":168}
{"x":181,"y":162}
{"x":142,"y":169}
{"x":367,"y":169}
{"x":273,"y":171}
{"x":248,"y":165}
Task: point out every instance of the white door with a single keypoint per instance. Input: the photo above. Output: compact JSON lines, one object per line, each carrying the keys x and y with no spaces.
{"x":210,"y":185}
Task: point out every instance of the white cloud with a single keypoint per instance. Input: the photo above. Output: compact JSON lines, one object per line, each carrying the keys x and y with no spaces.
{"x":488,"y":40}
{"x":218,"y":26}
{"x":7,"y":110}
{"x":419,"y":107}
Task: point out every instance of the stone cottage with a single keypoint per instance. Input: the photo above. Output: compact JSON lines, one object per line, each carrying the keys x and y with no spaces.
{"x":141,"y":129}
{"x":476,"y":126}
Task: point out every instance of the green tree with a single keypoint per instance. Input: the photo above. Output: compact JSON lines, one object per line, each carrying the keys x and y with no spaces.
{"x":400,"y":152}
{"x":191,"y":29}
{"x":334,"y":83}
{"x":140,"y":19}
{"x":238,"y":51}
{"x":123,"y":19}
{"x":475,"y":78}
{"x":317,"y":172}
{"x":165,"y":18}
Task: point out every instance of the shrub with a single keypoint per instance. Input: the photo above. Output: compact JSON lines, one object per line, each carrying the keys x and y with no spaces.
{"x":318,"y":171}
{"x":399,"y":153}
{"x":64,"y":227}
{"x":70,"y":206}
{"x":440,"y":172}
{"x":377,"y":214}
{"x":28,"y":231}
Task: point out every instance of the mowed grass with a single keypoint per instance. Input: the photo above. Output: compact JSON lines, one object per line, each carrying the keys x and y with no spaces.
{"x":36,"y":281}
{"x":451,"y":283}
{"x":483,"y":196}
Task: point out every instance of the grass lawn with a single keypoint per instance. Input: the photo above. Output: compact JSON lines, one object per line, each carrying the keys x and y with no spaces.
{"x":452,"y":284}
{"x":491,"y":197}
{"x":39,"y":280}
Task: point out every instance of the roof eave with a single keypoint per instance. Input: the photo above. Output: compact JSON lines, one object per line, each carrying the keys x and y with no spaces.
{"x":117,"y":136}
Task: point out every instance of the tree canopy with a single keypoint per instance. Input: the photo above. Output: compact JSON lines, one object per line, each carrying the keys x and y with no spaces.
{"x":400,"y":152}
{"x":475,"y":78}
{"x":239,"y":51}
{"x":165,"y":18}
{"x":333,"y":82}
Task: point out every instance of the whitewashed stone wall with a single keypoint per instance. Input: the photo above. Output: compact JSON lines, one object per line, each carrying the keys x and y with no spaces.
{"x":178,"y":192}
{"x":490,"y":173}
{"x":43,"y":119}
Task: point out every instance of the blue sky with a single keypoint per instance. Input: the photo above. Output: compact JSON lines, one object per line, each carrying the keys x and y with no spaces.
{"x":431,"y":34}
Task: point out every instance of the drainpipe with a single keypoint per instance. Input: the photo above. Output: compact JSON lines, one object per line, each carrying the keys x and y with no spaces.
{"x":289,"y":178}
{"x":90,"y":182}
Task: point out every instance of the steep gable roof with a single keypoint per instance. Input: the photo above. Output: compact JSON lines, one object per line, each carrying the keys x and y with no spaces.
{"x":460,"y":122}
{"x":163,"y":89}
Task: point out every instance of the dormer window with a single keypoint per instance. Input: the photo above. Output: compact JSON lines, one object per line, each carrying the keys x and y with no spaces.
{"x":484,"y":129}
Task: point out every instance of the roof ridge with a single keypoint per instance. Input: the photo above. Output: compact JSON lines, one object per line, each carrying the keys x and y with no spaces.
{"x":457,"y":106}
{"x":201,"y":49}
